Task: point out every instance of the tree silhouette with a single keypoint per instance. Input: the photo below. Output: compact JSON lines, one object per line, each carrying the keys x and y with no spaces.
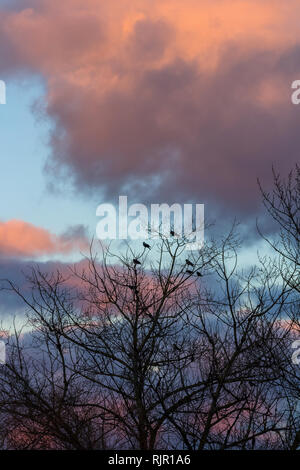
{"x":127,"y":356}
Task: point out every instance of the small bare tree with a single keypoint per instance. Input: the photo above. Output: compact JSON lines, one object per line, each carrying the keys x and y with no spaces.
{"x":283,"y":205}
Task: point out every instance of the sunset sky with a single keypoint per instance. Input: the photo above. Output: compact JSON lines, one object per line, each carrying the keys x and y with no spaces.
{"x":162,"y":101}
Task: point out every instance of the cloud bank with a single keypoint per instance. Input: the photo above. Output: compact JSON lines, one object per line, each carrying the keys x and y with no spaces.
{"x":164,"y":100}
{"x":19,"y":239}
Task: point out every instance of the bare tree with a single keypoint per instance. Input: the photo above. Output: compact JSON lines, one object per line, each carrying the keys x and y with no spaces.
{"x":283,"y":205}
{"x":238,"y":335}
{"x":126,"y":334}
{"x":163,"y":351}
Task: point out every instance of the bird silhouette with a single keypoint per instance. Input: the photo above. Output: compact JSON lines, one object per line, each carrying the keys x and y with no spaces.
{"x":133,"y":288}
{"x":136,"y":262}
{"x":189,"y":263}
{"x":188,"y":271}
{"x":199,"y":274}
{"x":172,"y":233}
{"x":145,"y":245}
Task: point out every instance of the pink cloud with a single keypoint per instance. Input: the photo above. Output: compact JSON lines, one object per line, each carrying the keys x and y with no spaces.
{"x":191,"y":100}
{"x":21,"y":239}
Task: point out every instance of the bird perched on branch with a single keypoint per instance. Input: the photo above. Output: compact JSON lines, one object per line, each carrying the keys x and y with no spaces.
{"x":134,"y":288}
{"x":199,"y":274}
{"x":145,"y":245}
{"x":189,"y":263}
{"x":136,"y":262}
{"x":172,"y":233}
{"x":188,"y":271}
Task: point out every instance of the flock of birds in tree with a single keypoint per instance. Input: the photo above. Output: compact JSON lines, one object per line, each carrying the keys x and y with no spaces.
{"x":136,"y":262}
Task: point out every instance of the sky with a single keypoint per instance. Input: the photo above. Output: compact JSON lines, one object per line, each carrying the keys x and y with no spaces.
{"x":161,"y":101}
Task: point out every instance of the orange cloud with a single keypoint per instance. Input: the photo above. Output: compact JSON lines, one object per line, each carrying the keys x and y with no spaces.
{"x":21,"y":239}
{"x":78,"y":38}
{"x":192,"y":95}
